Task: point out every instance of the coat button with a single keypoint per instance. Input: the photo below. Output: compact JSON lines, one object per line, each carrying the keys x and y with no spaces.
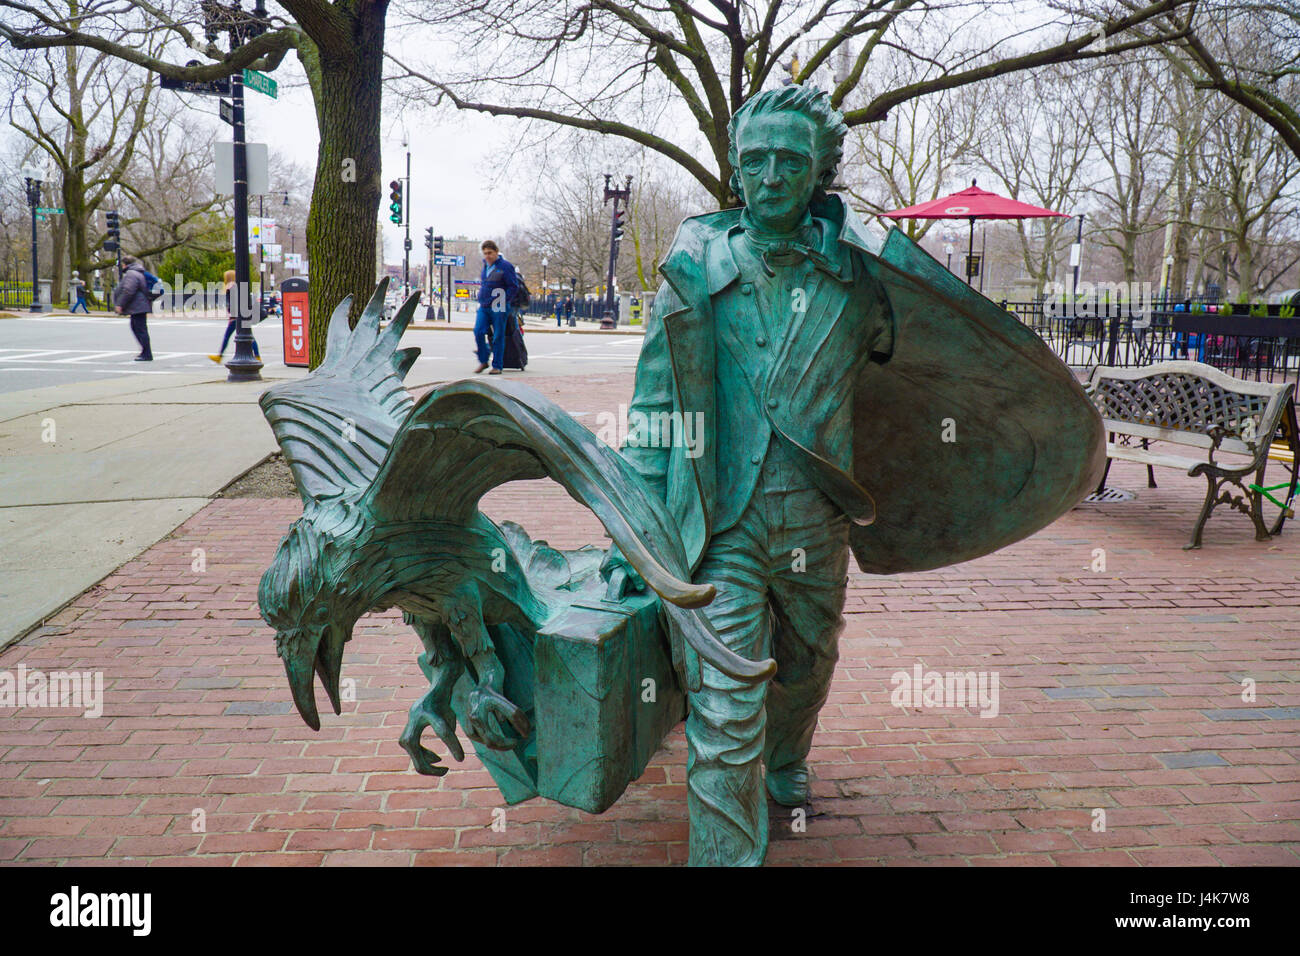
{"x":747,"y":288}
{"x":755,"y":459}
{"x":760,"y":341}
{"x":772,"y":403}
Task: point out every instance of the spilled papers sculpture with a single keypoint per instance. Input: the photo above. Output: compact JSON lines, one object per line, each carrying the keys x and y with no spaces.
{"x":806,"y":391}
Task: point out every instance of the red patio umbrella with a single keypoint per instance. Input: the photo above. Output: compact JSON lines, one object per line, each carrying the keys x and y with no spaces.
{"x":973,"y":203}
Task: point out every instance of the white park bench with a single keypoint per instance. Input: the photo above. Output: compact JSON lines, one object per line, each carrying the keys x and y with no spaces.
{"x":1198,"y":407}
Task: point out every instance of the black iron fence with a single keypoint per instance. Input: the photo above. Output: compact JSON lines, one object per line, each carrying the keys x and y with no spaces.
{"x":586,"y":310}
{"x":15,"y":295}
{"x":1264,"y":346}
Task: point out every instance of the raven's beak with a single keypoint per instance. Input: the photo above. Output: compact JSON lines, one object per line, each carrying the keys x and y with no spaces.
{"x":306,"y":653}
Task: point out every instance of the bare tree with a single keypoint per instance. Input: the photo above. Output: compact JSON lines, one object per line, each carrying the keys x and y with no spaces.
{"x":1251,"y":201}
{"x":168,"y":190}
{"x":340,"y":45}
{"x":916,"y":153}
{"x":647,"y":70}
{"x":1036,"y":147}
{"x":1246,"y":50}
{"x":1128,"y":124}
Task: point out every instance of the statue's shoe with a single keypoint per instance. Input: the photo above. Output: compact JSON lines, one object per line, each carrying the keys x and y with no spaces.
{"x":789,"y":785}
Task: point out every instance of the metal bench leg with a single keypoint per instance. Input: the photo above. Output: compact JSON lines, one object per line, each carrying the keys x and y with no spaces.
{"x":1151,"y":472}
{"x":1257,"y":511}
{"x":1101,"y":485}
{"x":1206,"y":508}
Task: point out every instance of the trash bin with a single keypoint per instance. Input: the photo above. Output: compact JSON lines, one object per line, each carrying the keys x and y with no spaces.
{"x":295,"y":320}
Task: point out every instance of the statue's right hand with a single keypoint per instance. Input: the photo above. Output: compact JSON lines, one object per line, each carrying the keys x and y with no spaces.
{"x":621,"y":578}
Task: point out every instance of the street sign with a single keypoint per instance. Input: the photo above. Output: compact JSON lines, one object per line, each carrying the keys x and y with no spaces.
{"x":227,"y":111}
{"x":218,"y":87}
{"x":257,"y":168}
{"x":40,"y":218}
{"x":448,"y":260}
{"x":260,"y":82}
{"x":50,"y":210}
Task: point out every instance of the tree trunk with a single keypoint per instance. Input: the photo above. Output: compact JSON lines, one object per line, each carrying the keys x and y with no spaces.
{"x":58,"y":250}
{"x":341,"y":229}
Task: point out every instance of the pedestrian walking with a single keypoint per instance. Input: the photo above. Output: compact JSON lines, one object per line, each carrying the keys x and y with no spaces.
{"x":498,"y":287}
{"x":79,"y":294}
{"x":559,"y":313}
{"x":232,"y":317}
{"x":132,"y":297}
{"x":568,"y":310}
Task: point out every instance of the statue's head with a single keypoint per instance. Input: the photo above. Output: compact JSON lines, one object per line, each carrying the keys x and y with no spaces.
{"x":305,"y":597}
{"x":786,"y":146}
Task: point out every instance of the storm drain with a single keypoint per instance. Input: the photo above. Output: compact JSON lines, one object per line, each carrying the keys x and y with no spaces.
{"x":1109,"y":496}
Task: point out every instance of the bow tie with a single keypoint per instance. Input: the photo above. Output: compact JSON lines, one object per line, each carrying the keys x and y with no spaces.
{"x":788,"y":252}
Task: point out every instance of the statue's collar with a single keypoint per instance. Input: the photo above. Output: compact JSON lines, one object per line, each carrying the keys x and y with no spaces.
{"x":702,"y":241}
{"x":820,"y":235}
{"x":805,"y":233}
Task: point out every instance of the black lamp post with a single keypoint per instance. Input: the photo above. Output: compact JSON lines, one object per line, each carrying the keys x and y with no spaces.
{"x":617,"y":219}
{"x":240,"y":26}
{"x":33,"y":177}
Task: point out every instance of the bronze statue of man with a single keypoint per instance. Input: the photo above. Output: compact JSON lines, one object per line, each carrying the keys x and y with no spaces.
{"x":833,"y":374}
{"x":778,"y":317}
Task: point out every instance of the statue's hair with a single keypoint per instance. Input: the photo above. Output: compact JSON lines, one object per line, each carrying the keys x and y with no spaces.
{"x":808,"y":101}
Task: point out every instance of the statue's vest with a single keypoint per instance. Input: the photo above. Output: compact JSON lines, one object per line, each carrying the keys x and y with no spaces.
{"x":789,"y":348}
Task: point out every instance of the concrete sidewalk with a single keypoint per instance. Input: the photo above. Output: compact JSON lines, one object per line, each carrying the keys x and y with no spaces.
{"x":94,"y":473}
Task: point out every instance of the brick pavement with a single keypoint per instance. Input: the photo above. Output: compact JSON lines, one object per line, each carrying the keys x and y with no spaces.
{"x":1120,"y":692}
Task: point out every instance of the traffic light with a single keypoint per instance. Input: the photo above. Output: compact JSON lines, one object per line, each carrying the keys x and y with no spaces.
{"x":437,"y":245}
{"x":428,"y":238}
{"x":620,"y":223}
{"x":395,"y":203}
{"x":114,"y":239}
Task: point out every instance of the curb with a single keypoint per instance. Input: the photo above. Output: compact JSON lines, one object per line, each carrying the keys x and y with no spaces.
{"x":528,"y":329}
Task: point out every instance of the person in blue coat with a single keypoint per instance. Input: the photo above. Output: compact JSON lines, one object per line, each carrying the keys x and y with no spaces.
{"x":498,"y":288}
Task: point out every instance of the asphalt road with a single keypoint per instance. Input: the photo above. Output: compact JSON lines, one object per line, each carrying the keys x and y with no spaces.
{"x":41,"y":351}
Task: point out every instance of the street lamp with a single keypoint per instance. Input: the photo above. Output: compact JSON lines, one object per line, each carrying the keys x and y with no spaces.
{"x":240,"y":26}
{"x":948,"y":249}
{"x":545,"y":291}
{"x":33,"y":177}
{"x":261,"y":235}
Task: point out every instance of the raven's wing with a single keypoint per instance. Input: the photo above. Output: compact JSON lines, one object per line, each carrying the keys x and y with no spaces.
{"x":463,"y":439}
{"x":335,"y":425}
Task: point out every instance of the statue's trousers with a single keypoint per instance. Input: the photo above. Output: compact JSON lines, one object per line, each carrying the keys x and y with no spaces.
{"x":780,"y":572}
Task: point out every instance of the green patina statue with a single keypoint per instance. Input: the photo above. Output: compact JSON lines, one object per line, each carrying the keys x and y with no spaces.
{"x":805,"y":390}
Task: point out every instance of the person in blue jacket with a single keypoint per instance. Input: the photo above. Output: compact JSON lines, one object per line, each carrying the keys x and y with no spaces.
{"x":498,"y":287}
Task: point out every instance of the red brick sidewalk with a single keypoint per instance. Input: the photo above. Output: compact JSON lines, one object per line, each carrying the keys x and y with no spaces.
{"x":1120,"y":691}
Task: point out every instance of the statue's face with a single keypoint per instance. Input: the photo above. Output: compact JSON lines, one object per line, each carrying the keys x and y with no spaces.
{"x":778,"y":169}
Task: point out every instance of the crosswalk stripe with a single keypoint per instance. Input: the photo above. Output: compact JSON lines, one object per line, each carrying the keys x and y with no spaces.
{"x":89,"y":358}
{"x":31,"y":355}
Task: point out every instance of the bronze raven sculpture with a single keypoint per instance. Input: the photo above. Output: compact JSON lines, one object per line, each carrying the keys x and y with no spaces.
{"x":390,"y":489}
